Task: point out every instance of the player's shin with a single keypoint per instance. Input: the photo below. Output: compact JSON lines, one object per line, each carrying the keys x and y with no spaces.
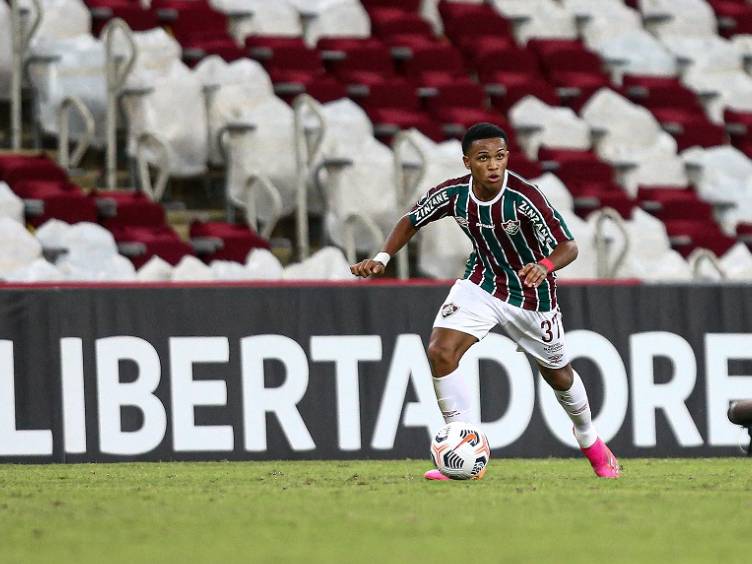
{"x":575,"y":403}
{"x":453,"y":396}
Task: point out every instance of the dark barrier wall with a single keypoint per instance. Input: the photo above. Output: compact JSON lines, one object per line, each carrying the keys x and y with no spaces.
{"x":339,"y":371}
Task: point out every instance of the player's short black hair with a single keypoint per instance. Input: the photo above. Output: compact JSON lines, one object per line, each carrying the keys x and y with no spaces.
{"x":483,"y":130}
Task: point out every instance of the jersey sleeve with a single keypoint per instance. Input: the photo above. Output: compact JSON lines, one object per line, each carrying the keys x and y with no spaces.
{"x":556,"y":230}
{"x":435,"y":204}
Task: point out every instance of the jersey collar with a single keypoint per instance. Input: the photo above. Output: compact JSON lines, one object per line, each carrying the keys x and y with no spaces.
{"x":496,"y":198}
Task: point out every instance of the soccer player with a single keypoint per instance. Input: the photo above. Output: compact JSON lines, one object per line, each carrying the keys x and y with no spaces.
{"x":519,"y":241}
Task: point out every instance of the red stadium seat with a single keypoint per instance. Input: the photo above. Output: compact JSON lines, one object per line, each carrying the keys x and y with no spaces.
{"x":734,"y":18}
{"x":199,"y":29}
{"x":48,"y":199}
{"x":231,"y":241}
{"x":137,"y":18}
{"x":576,"y":72}
{"x":523,"y":166}
{"x":507,"y":88}
{"x":463,"y":105}
{"x":140,"y":243}
{"x":395,"y":105}
{"x":434,"y":65}
{"x":739,"y":127}
{"x":16,"y":168}
{"x":688,"y":234}
{"x":403,"y":5}
{"x":673,"y":203}
{"x":568,"y":156}
{"x":392,"y":21}
{"x":510,"y":59}
{"x":261,"y":47}
{"x":367,"y":63}
{"x":119,"y":208}
{"x":658,"y":92}
{"x":478,"y":49}
{"x":294,"y":69}
{"x":690,"y":128}
{"x":589,"y":196}
{"x":744,"y":233}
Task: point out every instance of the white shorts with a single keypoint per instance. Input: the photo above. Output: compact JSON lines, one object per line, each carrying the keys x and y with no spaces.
{"x":470,"y":309}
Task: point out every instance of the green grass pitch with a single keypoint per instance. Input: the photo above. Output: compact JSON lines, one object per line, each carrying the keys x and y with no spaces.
{"x":668,"y":511}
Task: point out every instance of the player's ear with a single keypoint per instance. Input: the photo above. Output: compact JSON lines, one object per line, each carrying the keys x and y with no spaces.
{"x":466,"y":161}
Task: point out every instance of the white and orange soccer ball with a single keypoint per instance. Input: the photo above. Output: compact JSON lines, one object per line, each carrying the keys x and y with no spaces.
{"x":460,"y":451}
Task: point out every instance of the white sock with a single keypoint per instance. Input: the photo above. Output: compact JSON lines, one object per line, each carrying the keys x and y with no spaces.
{"x":453,"y":396}
{"x":575,"y":403}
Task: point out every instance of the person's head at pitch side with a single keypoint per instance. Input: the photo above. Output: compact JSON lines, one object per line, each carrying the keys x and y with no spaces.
{"x":485,"y":153}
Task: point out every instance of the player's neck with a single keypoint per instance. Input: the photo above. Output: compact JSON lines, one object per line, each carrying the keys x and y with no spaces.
{"x":485,"y":193}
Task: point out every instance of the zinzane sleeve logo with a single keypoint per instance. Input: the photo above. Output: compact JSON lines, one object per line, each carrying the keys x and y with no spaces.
{"x":432,"y":206}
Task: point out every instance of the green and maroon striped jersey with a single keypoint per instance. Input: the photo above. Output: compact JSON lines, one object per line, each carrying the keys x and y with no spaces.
{"x":517,"y":227}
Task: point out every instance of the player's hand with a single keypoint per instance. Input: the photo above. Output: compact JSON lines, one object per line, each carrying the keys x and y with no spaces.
{"x":532,"y":274}
{"x":366,"y":268}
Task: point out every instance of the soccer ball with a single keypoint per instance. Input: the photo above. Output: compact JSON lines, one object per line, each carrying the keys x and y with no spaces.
{"x":460,"y":451}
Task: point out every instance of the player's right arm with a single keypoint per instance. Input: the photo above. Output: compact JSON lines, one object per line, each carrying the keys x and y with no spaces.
{"x":398,"y":238}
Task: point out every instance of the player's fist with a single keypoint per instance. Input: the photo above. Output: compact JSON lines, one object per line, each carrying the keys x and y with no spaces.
{"x":532,"y":274}
{"x":366,"y":268}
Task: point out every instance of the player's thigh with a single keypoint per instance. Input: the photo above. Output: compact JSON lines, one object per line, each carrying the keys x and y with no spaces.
{"x":539,"y":334}
{"x":467,"y":309}
{"x":449,"y":344}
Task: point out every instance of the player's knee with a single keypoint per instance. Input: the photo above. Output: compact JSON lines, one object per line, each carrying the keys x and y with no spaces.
{"x":558,"y":378}
{"x":443,"y":358}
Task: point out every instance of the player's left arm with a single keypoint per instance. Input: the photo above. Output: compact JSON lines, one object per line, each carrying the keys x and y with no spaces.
{"x":564,"y":246}
{"x":534,"y":273}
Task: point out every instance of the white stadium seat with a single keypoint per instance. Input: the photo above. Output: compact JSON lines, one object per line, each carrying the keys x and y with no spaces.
{"x":38,"y":270}
{"x":733,"y":89}
{"x":92,"y":255}
{"x":263,"y":265}
{"x":332,"y":18}
{"x":584,"y":267}
{"x":443,"y":247}
{"x":78,"y":69}
{"x":554,"y":190}
{"x":157,"y":51}
{"x":678,"y":17}
{"x":232,"y":88}
{"x":637,"y":52}
{"x":279,"y":18}
{"x":634,"y":136}
{"x":230,"y":270}
{"x":326,"y":264}
{"x":61,"y":19}
{"x":649,"y":255}
{"x":169,"y":93}
{"x":555,"y":126}
{"x":18,"y":247}
{"x":163,"y":113}
{"x":11,"y":206}
{"x":539,"y":19}
{"x":364,"y":184}
{"x":191,"y":269}
{"x":603,"y":20}
{"x":259,"y":131}
{"x":155,"y":270}
{"x":737,"y":262}
{"x":723,"y":177}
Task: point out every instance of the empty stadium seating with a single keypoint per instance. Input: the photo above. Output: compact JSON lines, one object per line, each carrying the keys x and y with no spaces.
{"x":638,"y":106}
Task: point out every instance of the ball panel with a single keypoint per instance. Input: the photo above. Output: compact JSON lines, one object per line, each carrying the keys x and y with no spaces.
{"x":461,"y":451}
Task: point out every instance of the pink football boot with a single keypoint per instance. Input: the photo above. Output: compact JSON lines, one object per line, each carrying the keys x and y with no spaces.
{"x":602,"y":460}
{"x":434,"y":475}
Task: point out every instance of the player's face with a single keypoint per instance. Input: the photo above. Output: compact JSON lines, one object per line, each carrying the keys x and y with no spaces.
{"x":487,"y":160}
